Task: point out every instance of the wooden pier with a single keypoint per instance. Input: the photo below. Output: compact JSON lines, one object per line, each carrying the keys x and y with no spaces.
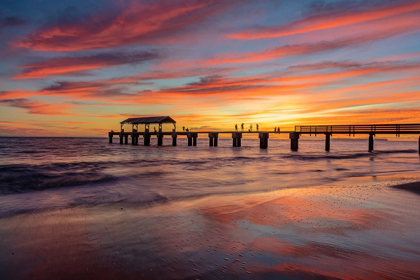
{"x":328,"y":130}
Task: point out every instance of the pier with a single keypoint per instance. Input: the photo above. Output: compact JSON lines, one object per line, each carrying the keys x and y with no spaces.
{"x":312,"y":130}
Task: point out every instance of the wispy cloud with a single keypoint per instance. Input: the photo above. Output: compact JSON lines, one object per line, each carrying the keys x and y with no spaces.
{"x":78,"y":64}
{"x":336,"y":18}
{"x":38,"y":108}
{"x":10,"y":21}
{"x":132,"y":23}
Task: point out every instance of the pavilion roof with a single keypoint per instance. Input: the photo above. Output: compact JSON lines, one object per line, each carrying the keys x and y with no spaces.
{"x":147,"y":120}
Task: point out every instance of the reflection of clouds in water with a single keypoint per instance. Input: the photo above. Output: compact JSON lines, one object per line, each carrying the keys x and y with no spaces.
{"x":342,"y":232}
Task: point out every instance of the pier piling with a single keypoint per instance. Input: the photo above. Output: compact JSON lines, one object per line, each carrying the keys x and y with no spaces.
{"x":110,"y":137}
{"x":237,"y":137}
{"x":134,"y":137}
{"x":122,"y":136}
{"x":126,"y":139}
{"x":327,"y":141}
{"x":263,"y":140}
{"x":160,"y":139}
{"x":146,"y":137}
{"x":370,"y":142}
{"x":174,"y":136}
{"x":192,"y":138}
{"x":294,"y":141}
{"x":213,"y":136}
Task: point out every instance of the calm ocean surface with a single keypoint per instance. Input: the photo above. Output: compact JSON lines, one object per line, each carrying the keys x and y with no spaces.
{"x":48,"y":173}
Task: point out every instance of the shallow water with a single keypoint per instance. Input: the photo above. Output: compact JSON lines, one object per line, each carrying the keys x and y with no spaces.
{"x":80,"y":208}
{"x":64,"y":172}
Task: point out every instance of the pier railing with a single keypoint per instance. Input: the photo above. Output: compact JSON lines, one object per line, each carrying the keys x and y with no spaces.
{"x":396,"y":129}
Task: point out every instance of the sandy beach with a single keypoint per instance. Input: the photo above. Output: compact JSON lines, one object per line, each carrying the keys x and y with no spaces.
{"x":328,"y":232}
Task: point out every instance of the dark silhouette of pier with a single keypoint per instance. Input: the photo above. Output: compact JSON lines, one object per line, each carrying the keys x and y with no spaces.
{"x":328,"y":130}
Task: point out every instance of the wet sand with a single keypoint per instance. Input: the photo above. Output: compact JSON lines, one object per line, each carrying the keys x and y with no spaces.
{"x":327,"y":232}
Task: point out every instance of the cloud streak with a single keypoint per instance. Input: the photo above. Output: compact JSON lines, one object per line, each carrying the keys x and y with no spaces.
{"x":79,"y":64}
{"x":133,"y":23}
{"x":38,"y":108}
{"x":328,"y":21}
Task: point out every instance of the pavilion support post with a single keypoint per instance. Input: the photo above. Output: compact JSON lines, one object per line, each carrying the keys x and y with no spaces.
{"x":327,"y":141}
{"x":294,"y":141}
{"x":122,"y":136}
{"x":237,"y":136}
{"x":160,"y":139}
{"x":134,"y":137}
{"x":263,"y":140}
{"x":110,"y":134}
{"x":370,"y":142}
{"x":146,"y":137}
{"x":174,"y":136}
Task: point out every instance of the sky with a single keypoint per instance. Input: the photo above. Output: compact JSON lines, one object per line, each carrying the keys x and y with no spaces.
{"x":78,"y":68}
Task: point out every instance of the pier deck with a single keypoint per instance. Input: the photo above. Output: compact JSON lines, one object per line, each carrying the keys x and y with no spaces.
{"x":327,"y":130}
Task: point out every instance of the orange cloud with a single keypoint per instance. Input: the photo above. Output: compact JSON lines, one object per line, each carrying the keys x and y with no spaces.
{"x":79,"y":64}
{"x":383,"y":31}
{"x":133,"y":23}
{"x":38,"y":108}
{"x":322,"y":22}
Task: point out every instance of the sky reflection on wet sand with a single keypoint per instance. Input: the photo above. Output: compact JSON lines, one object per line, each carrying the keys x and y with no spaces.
{"x":351,"y":232}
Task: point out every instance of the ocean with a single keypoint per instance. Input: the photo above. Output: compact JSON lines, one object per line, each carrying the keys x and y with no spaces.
{"x":46,"y":180}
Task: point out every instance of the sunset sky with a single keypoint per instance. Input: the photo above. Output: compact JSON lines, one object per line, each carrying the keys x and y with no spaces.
{"x":79,"y":67}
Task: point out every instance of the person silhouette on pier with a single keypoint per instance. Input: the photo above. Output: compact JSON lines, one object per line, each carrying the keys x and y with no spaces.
{"x":155,"y":129}
{"x":236,"y":127}
{"x":258,"y":127}
{"x":242,"y":126}
{"x":187,"y":129}
{"x":250,"y":128}
{"x":183,"y":128}
{"x":275,"y":130}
